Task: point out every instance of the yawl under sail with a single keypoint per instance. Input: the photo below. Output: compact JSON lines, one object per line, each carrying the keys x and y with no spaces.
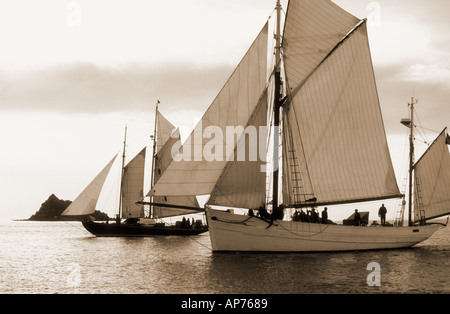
{"x":132,"y":192}
{"x":324,"y":105}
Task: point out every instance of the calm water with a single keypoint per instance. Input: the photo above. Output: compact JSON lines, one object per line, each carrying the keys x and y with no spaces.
{"x":63,"y":258}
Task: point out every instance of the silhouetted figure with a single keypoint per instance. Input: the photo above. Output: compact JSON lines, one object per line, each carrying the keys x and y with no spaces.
{"x":314,"y":216}
{"x":382,"y":214}
{"x":263,"y":213}
{"x":357,"y":219}
{"x":303,"y":216}
{"x":325,"y":216}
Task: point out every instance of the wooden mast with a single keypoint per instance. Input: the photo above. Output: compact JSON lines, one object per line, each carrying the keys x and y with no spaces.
{"x":276,"y":210}
{"x":154,"y":158}
{"x":122,"y":173}
{"x":411,"y":161}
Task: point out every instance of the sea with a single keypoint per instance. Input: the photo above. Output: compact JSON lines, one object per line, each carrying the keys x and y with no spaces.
{"x":63,"y":258}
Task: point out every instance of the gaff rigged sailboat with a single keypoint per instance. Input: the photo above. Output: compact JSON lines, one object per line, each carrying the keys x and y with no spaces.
{"x":132,"y":220}
{"x":318,"y":104}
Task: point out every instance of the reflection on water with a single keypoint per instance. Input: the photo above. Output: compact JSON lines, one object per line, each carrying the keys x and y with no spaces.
{"x":64,"y":258}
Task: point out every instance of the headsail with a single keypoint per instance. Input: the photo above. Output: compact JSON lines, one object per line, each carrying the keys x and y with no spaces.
{"x":432,"y":181}
{"x":335,"y":144}
{"x":167,"y":138}
{"x":85,"y":203}
{"x":191,"y":173}
{"x":132,"y":187}
{"x":242,"y":183}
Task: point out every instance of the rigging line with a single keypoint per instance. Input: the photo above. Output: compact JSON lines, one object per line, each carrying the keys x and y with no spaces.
{"x":305,"y":237}
{"x":224,"y":195}
{"x":291,"y":139}
{"x":288,"y":125}
{"x":270,"y":222}
{"x":428,"y":129}
{"x":68,"y":222}
{"x":198,"y":242}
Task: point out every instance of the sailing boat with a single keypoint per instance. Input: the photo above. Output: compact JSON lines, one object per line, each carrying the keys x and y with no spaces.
{"x":326,"y":135}
{"x":136,"y":222}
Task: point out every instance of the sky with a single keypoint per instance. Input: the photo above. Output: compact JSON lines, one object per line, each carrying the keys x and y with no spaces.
{"x":74,"y":73}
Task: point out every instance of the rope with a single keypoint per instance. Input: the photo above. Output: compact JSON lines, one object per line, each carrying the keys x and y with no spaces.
{"x":270,"y":222}
{"x":310,"y":235}
{"x":190,"y":237}
{"x":68,"y":222}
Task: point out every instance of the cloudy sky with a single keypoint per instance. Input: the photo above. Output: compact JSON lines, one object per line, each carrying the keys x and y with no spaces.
{"x":74,"y":73}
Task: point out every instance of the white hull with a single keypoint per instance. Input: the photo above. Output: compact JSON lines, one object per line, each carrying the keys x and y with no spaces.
{"x":231,"y":232}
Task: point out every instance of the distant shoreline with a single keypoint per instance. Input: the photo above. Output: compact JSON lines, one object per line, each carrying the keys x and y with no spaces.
{"x":51,"y":220}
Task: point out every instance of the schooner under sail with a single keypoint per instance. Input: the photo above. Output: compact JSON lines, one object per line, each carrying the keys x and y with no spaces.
{"x":132,"y":193}
{"x":324,"y":111}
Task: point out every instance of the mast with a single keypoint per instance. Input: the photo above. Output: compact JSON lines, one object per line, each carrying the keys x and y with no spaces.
{"x":122,"y":173}
{"x":276,"y":210}
{"x":411,"y":161}
{"x":154,"y":157}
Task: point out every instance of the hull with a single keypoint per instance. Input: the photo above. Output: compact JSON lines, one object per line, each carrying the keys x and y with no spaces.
{"x":238,"y":233}
{"x":138,"y":230}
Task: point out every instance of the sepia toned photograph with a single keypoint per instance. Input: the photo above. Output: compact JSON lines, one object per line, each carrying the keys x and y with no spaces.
{"x":218,"y":153}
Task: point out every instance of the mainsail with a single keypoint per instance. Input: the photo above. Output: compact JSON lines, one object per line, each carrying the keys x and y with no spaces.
{"x":85,"y":203}
{"x":336,"y":135}
{"x":432,"y":181}
{"x":335,"y":145}
{"x":133,"y":187}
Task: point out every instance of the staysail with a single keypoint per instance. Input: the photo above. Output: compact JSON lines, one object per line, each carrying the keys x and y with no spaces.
{"x":132,"y":187}
{"x":167,"y":138}
{"x":432,"y":181}
{"x":335,"y":145}
{"x":85,"y":203}
{"x":198,"y":166}
{"x":242,"y":183}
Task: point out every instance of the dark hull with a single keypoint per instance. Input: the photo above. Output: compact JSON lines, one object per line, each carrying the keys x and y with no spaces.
{"x":138,"y":230}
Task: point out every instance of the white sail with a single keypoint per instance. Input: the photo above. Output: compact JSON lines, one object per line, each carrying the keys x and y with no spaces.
{"x":432,"y":181}
{"x":85,"y":203}
{"x":312,"y":30}
{"x":337,"y":142}
{"x":162,"y":161}
{"x":242,"y":183}
{"x":168,"y":137}
{"x":164,"y":130}
{"x":132,"y":187}
{"x":193,"y":173}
